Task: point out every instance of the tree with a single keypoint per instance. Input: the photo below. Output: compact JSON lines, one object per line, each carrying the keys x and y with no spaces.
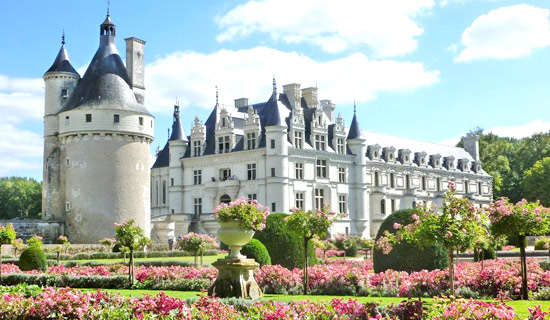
{"x":536,"y":182}
{"x":64,"y":241}
{"x":7,"y":235}
{"x":196,"y":243}
{"x":20,"y":197}
{"x":108,"y":243}
{"x":133,"y":238}
{"x":459,"y":225}
{"x":309,"y":224}
{"x":521,"y":219}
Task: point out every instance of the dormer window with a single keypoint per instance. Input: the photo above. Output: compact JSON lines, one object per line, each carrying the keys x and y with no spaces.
{"x":320,"y":142}
{"x":340,"y":146}
{"x":406,"y":158}
{"x":251,"y":141}
{"x":390,"y":156}
{"x":223,"y":123}
{"x":375,"y":154}
{"x":197,"y":149}
{"x":298,"y":140}
{"x":224,"y":144}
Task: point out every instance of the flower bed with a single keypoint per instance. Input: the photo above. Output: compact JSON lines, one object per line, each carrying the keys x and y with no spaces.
{"x":66,"y":303}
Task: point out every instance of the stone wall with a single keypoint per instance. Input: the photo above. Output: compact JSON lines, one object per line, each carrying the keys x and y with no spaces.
{"x":28,"y":228}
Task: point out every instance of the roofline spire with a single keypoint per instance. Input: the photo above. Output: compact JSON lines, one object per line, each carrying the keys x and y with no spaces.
{"x":216,"y":95}
{"x":354,"y":107}
{"x":274,"y":85}
{"x":63,"y":37}
{"x":108,"y":5}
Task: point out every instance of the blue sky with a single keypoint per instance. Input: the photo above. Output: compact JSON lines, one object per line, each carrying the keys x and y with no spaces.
{"x":425,"y":69}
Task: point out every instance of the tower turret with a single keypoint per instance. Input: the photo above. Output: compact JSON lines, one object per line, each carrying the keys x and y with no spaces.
{"x":60,"y":80}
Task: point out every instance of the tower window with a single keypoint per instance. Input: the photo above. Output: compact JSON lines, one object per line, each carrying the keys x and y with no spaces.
{"x":272,"y":143}
{"x":140,"y":121}
{"x":116,"y":118}
{"x":68,"y":162}
{"x":272,"y":172}
{"x":273,"y":207}
{"x":67,"y":120}
{"x":67,"y":206}
{"x":64,"y":93}
{"x":88,"y":117}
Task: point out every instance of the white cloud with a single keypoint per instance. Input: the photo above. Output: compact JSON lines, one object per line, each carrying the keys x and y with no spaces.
{"x":192,"y":76}
{"x":21,"y":98}
{"x":388,"y":27}
{"x":504,"y":33}
{"x":20,"y":150}
{"x":518,"y":132}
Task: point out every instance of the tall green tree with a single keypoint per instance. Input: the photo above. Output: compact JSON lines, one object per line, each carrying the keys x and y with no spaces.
{"x":20,"y":197}
{"x":536,"y":182}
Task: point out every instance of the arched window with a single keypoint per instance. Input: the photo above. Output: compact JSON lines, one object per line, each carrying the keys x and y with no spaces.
{"x":225,"y":199}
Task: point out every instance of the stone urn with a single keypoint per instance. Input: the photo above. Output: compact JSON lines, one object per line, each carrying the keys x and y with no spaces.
{"x":235,"y":272}
{"x":235,"y":237}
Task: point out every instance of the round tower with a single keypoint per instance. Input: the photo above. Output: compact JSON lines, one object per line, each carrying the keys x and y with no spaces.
{"x":60,"y":81}
{"x":105,"y":137}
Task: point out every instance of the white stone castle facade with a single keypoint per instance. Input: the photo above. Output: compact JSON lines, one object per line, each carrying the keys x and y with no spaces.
{"x":97,"y":137}
{"x":293,"y":152}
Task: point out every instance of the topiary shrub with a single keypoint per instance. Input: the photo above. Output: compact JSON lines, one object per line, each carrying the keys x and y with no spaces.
{"x":257,"y":251}
{"x":407,"y":256}
{"x":351,"y":250}
{"x":33,"y":258}
{"x":285,"y":247}
{"x":488,"y":254}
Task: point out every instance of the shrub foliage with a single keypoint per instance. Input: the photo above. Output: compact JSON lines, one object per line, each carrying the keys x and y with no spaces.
{"x":257,"y":251}
{"x":33,"y":259}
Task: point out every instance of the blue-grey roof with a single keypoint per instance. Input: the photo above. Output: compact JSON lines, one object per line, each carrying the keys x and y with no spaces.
{"x":177,"y":128}
{"x":106,"y":84}
{"x":354,"y":130}
{"x":62,"y":62}
{"x":163,"y":157}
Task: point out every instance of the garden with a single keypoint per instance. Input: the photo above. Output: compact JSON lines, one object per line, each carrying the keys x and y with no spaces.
{"x":411,"y":271}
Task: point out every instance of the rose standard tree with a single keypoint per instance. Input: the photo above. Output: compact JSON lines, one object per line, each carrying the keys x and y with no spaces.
{"x":309,"y":224}
{"x":520,"y":220}
{"x":7,"y":235}
{"x":459,"y":225}
{"x":197,"y":243}
{"x":133,"y":238}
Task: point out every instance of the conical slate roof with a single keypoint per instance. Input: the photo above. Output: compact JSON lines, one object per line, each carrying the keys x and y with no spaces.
{"x":106,"y":84}
{"x":354,"y":129}
{"x":177,"y":128}
{"x":62,"y":62}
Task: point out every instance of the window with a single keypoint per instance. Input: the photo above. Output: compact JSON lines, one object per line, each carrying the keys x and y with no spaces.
{"x":225,"y":174}
{"x":197,"y":148}
{"x":321,"y":168}
{"x":298,"y":140}
{"x":383,"y":206}
{"x":157,"y":193}
{"x":251,"y":169}
{"x":342,"y":175}
{"x":197,"y":206}
{"x":272,"y":143}
{"x":299,"y":203}
{"x":88,"y":117}
{"x":392,"y":205}
{"x":197,"y":177}
{"x":172,"y":210}
{"x":252,"y":196}
{"x":116,"y":118}
{"x":163,"y":192}
{"x":423,"y":183}
{"x":273,"y":207}
{"x":140,"y":121}
{"x":340,"y":146}
{"x":466,"y":187}
{"x":390,"y":156}
{"x":171,"y":182}
{"x":299,"y":171}
{"x":319,"y":198}
{"x":407,"y":182}
{"x":438,"y":183}
{"x":251,"y":141}
{"x":272,"y":172}
{"x":68,"y":162}
{"x":67,"y":206}
{"x":223,"y":144}
{"x":479,"y":188}
{"x":67,"y":120}
{"x":376,"y":178}
{"x":392,"y":180}
{"x":223,"y":122}
{"x":320,"y":143}
{"x":64,"y":93}
{"x":342,"y":203}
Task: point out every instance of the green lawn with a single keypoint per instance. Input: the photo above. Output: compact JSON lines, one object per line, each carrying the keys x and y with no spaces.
{"x":207,"y":260}
{"x":520,"y":305}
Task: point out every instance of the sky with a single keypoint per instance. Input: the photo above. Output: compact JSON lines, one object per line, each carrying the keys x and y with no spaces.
{"x":429,"y":70}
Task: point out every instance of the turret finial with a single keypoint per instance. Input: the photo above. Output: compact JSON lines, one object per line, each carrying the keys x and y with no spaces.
{"x":63,"y":38}
{"x":108,"y":5}
{"x":354,"y":107}
{"x":274,"y":85}
{"x":216,"y":95}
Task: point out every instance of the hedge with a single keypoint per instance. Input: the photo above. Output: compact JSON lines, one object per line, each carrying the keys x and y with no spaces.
{"x":118,"y":255}
{"x":256,"y":250}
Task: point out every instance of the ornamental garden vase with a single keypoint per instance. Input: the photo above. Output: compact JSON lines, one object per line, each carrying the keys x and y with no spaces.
{"x":235,"y":237}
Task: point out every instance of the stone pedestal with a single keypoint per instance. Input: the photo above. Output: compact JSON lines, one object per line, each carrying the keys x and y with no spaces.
{"x":236,"y":279}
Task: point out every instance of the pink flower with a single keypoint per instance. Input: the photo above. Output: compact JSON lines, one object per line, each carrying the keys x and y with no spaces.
{"x":396,"y":225}
{"x":415,"y":217}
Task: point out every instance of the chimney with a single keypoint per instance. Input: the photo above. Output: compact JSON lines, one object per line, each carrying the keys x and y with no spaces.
{"x":471,"y":145}
{"x":292,"y":92}
{"x":135,"y":66}
{"x":310,"y":95}
{"x":242,"y":102}
{"x":328,"y":108}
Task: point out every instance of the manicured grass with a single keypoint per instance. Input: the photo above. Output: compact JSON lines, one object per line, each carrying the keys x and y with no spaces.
{"x":519,"y":305}
{"x":207,"y":260}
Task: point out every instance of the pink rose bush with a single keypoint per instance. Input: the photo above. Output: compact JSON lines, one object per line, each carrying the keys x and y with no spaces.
{"x":249,"y":213}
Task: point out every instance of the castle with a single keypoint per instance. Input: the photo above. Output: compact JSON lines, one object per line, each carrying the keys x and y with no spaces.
{"x":291,"y":151}
{"x":97,"y":137}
